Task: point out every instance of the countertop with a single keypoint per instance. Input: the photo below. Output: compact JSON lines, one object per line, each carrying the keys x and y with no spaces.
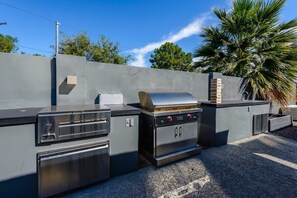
{"x":10,"y":117}
{"x":234,"y":103}
{"x":123,"y":110}
{"x":18,"y":116}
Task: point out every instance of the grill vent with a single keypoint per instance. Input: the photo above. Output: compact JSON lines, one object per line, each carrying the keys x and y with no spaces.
{"x":260,"y":123}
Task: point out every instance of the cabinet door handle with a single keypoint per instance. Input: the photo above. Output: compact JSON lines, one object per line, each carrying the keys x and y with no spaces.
{"x":180,"y":131}
{"x":175,"y":132}
{"x":44,"y":138}
{"x":74,"y":153}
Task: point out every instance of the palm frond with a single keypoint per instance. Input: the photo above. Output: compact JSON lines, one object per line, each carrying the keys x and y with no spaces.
{"x":250,"y":43}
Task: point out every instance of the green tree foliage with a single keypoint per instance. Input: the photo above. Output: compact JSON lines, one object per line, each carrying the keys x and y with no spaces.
{"x":103,"y":50}
{"x":107,"y":52}
{"x":78,"y":45}
{"x":36,"y":54}
{"x":8,"y":43}
{"x":250,"y":42}
{"x":171,"y":56}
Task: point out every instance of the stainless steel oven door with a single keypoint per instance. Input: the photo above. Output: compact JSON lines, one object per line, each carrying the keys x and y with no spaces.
{"x":166,"y":140}
{"x":188,"y":135}
{"x":174,"y":138}
{"x":66,"y":169}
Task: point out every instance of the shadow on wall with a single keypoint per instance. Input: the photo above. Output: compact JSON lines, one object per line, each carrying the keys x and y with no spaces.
{"x":64,"y":88}
{"x":22,"y":186}
{"x":209,"y":138}
{"x":53,"y":82}
{"x":97,"y":99}
{"x":221,"y":138}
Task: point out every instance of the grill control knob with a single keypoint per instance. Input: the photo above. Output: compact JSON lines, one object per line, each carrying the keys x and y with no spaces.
{"x":169,"y":119}
{"x":189,"y":116}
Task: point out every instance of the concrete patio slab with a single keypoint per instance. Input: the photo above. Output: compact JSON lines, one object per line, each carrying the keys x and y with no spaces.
{"x":261,"y":166}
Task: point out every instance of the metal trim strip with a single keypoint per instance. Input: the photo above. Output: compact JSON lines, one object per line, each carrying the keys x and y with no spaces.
{"x":72,"y":113}
{"x":73,"y":153}
{"x":162,"y":113}
{"x":82,"y":124}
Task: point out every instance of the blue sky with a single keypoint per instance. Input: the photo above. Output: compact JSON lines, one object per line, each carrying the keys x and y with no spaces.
{"x":138,"y":25}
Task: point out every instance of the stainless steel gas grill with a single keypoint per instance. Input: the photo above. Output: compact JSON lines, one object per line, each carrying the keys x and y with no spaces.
{"x":76,"y":164}
{"x":168,"y":126}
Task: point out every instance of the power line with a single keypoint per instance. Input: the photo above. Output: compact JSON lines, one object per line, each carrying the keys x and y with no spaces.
{"x":35,"y":49}
{"x":22,"y":46}
{"x":28,"y":12}
{"x":50,"y":20}
{"x":36,"y":15}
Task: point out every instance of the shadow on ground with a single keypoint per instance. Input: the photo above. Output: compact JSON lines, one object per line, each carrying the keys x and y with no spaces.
{"x":262,"y":166}
{"x":288,"y":132}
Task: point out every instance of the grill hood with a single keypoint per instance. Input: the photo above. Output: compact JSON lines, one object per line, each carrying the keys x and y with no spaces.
{"x":158,"y":101}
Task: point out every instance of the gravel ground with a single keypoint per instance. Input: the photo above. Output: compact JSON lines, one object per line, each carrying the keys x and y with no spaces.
{"x":261,"y":166}
{"x":288,"y":132}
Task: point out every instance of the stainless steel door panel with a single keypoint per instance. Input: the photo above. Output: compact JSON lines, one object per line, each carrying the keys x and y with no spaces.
{"x":55,"y":127}
{"x":67,"y":169}
{"x":166,"y":140}
{"x":188,"y":135}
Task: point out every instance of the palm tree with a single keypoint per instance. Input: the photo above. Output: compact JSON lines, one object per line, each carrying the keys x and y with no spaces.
{"x":250,"y":42}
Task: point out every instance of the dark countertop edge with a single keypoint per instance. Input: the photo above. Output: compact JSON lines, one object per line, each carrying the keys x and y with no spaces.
{"x":124,"y":113}
{"x":233,"y":104}
{"x":18,"y":121}
{"x":10,"y":117}
{"x":123,"y":110}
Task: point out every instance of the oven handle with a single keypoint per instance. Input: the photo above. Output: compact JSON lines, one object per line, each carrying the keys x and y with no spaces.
{"x":73,"y":153}
{"x":176,"y":132}
{"x":82,"y":124}
{"x":180,"y":131}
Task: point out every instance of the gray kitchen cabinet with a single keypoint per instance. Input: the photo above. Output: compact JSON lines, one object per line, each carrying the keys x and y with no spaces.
{"x":123,"y":144}
{"x":229,"y":121}
{"x":18,"y":161}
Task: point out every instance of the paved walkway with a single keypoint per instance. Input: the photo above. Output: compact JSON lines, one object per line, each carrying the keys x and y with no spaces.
{"x":261,"y":166}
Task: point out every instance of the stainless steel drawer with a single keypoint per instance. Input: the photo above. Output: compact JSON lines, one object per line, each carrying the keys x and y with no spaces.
{"x":67,"y":169}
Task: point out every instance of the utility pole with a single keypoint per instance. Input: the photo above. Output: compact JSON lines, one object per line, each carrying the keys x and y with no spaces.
{"x":3,"y":23}
{"x":57,"y":37}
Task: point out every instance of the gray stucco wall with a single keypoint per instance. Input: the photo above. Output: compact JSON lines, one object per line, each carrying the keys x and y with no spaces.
{"x":25,"y":81}
{"x":95,"y":78}
{"x":238,"y":121}
{"x":30,"y":81}
{"x":226,"y":125}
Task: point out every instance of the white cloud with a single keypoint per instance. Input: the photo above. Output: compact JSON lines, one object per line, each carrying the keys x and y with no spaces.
{"x":191,"y":29}
{"x":139,"y":60}
{"x":196,"y":59}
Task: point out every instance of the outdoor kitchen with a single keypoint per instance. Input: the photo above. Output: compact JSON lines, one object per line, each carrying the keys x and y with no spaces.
{"x":87,"y":123}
